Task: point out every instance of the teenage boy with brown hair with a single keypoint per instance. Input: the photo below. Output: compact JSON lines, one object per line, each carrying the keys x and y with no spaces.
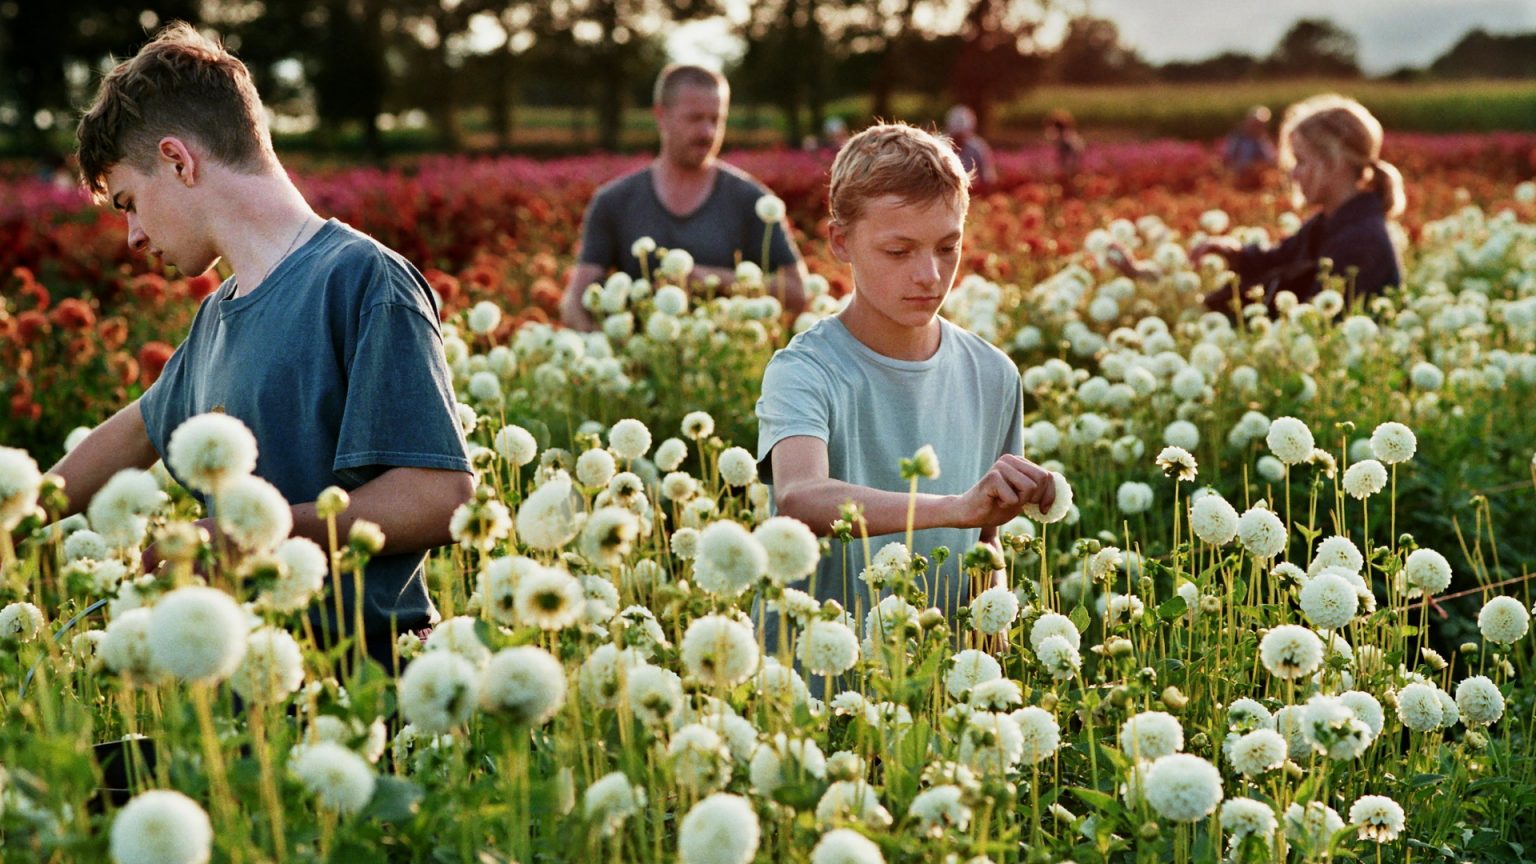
{"x":325,"y":343}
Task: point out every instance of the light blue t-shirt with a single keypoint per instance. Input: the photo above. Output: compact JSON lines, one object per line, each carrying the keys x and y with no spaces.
{"x":873,"y":411}
{"x":335,"y":363}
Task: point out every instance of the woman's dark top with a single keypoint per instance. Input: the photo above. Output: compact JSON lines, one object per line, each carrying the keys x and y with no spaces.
{"x":1355,"y":238}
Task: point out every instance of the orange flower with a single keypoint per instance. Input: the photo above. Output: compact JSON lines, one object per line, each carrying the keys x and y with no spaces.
{"x":149,"y":287}
{"x":30,"y":325}
{"x":123,"y":367}
{"x":74,"y":314}
{"x":113,"y":332}
{"x":199,"y":287}
{"x":152,"y":359}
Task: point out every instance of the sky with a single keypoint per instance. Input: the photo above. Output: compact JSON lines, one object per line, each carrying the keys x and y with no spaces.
{"x":1391,"y":33}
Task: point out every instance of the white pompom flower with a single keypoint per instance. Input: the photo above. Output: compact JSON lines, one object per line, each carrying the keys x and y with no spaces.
{"x":1291,"y":651}
{"x":272,"y":669}
{"x":828,"y":648}
{"x":1290,"y":440}
{"x":1427,"y":571}
{"x":1060,"y":507}
{"x":730,"y":560}
{"x":209,"y":449}
{"x":721,"y":829}
{"x":253,"y":513}
{"x":546,"y":520}
{"x":438,"y":691}
{"x":1479,"y":700}
{"x":1365,"y":478}
{"x":719,"y":650}
{"x":1261,"y":532}
{"x":1504,"y":620}
{"x":792,"y":549}
{"x":630,"y":439}
{"x":1329,"y":600}
{"x":121,"y":509}
{"x":1393,"y":443}
{"x":197,"y":634}
{"x":161,"y":826}
{"x":1182,"y":787}
{"x":1151,"y":735}
{"x":1214,"y":520}
{"x":846,"y":846}
{"x":341,"y":779}
{"x":1377,"y":818}
{"x":994,"y":610}
{"x":19,"y":484}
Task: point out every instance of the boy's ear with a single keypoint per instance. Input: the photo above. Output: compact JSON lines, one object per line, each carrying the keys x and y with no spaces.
{"x":837,"y":239}
{"x":174,"y":152}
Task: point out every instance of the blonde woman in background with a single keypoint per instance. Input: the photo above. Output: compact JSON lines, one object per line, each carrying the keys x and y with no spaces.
{"x":1330,"y":147}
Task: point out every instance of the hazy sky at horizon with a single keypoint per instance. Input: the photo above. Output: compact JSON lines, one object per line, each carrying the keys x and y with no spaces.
{"x":1392,"y":33}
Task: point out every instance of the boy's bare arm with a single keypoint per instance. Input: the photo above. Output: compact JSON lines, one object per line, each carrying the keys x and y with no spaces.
{"x":572,"y":313}
{"x":121,"y":442}
{"x":803,"y":490}
{"x":411,"y":505}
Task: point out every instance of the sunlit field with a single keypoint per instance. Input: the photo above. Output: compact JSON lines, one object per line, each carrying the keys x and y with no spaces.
{"x":1279,"y":612}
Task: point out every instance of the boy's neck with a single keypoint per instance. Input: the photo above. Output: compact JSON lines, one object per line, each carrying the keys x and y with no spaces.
{"x":889,"y":338}
{"x":265,"y":222}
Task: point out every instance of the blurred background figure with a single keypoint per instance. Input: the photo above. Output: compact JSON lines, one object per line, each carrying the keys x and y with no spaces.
{"x":1061,"y":133}
{"x":1248,"y":150}
{"x":975,"y":155}
{"x":1330,"y":147}
{"x":834,"y":133}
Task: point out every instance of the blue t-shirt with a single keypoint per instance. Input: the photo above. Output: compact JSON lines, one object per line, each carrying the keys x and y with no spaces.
{"x":336,"y":364}
{"x":873,"y":411}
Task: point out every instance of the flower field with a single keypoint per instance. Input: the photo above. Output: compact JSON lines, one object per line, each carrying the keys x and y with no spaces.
{"x":1281,"y":616}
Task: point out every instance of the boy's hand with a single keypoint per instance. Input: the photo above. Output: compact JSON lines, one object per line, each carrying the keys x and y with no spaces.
{"x":1126,"y":264}
{"x":1002,"y":492}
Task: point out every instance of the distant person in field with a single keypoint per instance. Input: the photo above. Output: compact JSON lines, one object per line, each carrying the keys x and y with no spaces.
{"x":1066,"y":146}
{"x":1247,"y":151}
{"x":322,"y":341}
{"x":975,"y":153}
{"x":1331,"y":147}
{"x":852,"y":396}
{"x":687,"y":198}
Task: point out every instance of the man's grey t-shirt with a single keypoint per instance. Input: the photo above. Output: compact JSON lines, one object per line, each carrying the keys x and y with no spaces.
{"x":336,"y":364}
{"x":723,"y":227}
{"x":873,"y":411}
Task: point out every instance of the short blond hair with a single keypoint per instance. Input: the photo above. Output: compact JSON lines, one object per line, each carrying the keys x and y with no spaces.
{"x":1343,"y":131}
{"x":896,"y":159}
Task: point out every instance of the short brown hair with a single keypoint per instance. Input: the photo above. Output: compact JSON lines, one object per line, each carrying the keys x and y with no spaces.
{"x":678,"y":75}
{"x":895,"y":159}
{"x":180,"y":83}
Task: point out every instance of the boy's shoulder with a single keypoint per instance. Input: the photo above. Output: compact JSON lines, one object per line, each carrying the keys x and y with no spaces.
{"x":360,"y":266}
{"x":977,"y":351}
{"x":823,"y":346}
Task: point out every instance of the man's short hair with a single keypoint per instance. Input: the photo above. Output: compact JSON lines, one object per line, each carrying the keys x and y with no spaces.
{"x":896,"y":159}
{"x":678,"y":75}
{"x":181,"y":83}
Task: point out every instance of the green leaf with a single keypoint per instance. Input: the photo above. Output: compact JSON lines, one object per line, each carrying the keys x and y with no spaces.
{"x":1172,"y":608}
{"x":1079,"y":618}
{"x":1096,"y":799}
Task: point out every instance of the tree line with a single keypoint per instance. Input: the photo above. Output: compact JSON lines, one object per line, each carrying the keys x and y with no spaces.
{"x":346,"y":63}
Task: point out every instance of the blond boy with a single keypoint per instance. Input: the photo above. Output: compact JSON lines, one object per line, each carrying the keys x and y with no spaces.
{"x":846,"y":400}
